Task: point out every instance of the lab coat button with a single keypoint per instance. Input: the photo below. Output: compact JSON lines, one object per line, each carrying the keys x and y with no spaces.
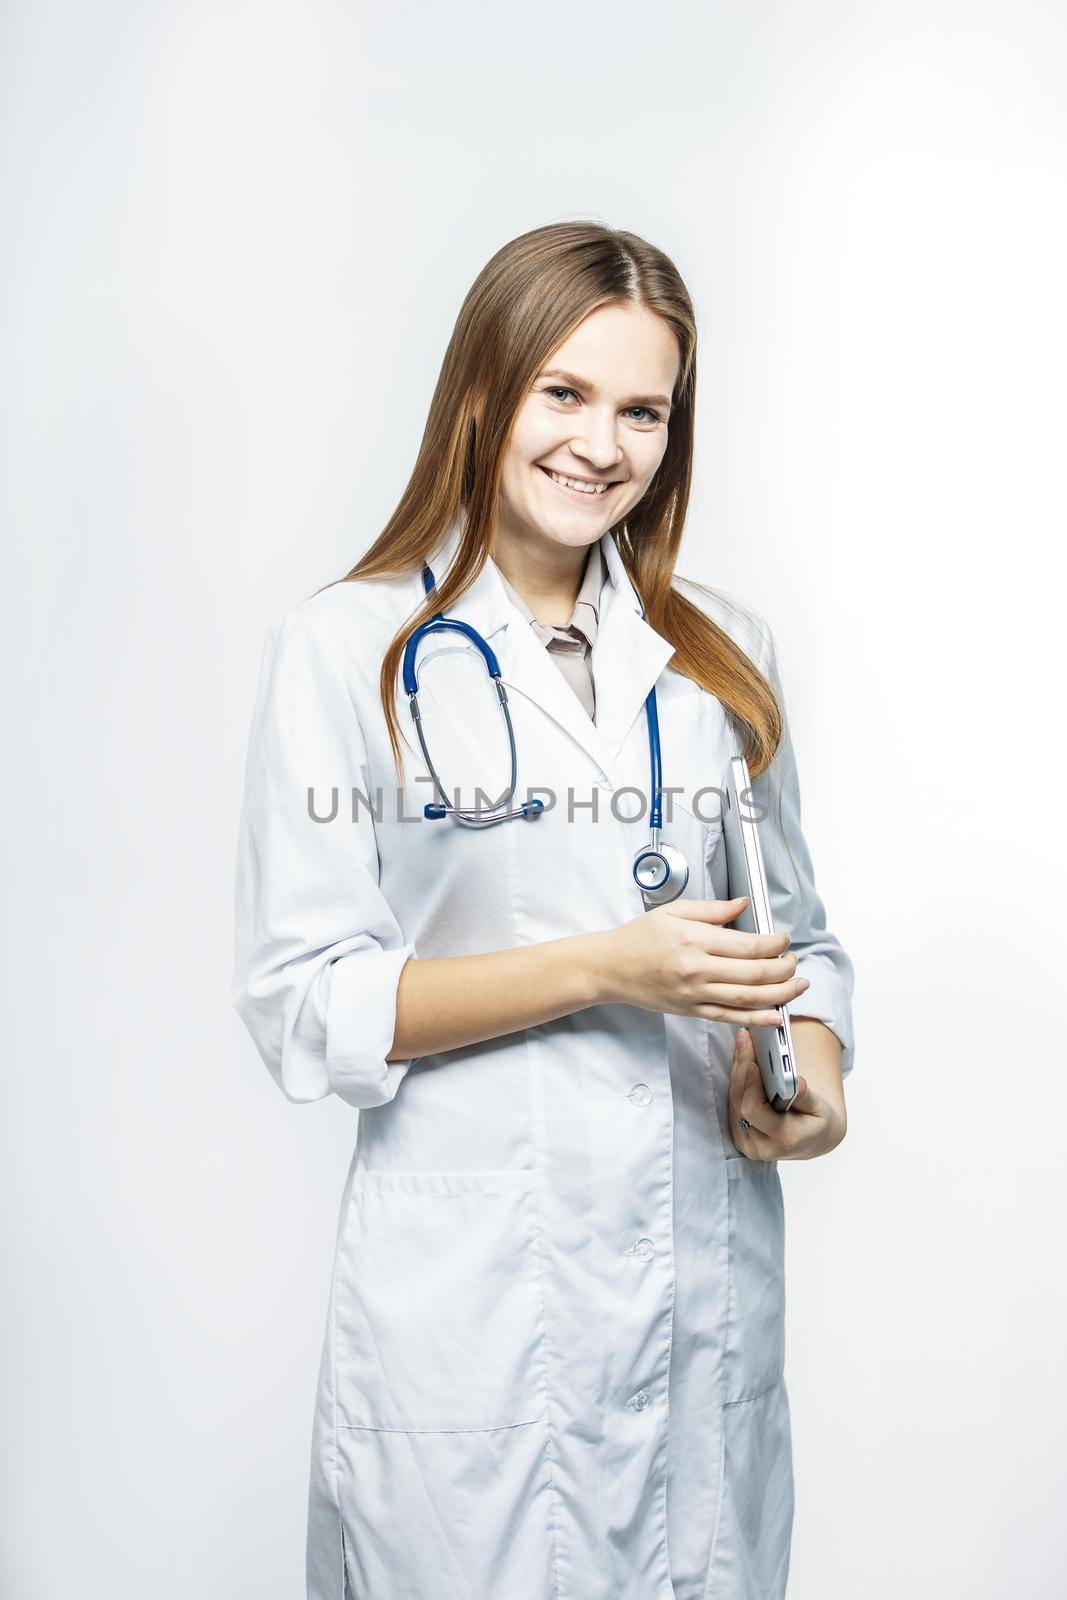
{"x":640,"y":1094}
{"x":640,"y":1400}
{"x":644,"y":1249}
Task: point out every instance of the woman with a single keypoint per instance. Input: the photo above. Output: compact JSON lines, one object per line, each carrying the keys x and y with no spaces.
{"x":554,"y":1356}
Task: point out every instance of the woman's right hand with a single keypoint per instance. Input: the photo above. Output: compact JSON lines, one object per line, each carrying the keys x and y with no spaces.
{"x":680,"y":959}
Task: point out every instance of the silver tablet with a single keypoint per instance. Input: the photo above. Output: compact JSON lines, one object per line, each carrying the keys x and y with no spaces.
{"x":744,"y":858}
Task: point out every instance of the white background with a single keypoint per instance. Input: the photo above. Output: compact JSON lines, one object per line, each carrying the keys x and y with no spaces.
{"x":235,"y":241}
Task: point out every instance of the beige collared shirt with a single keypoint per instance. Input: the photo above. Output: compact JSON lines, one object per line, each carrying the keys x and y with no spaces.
{"x":571,"y":647}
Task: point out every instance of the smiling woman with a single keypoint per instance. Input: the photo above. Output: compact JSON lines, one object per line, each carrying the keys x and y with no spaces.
{"x":582,"y":453}
{"x":553,"y":1362}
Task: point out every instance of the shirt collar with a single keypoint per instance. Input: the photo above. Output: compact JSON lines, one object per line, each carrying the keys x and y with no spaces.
{"x":632,"y":655}
{"x":586,"y":614}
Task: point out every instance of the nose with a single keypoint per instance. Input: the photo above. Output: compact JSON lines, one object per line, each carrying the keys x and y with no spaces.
{"x":598,"y":440}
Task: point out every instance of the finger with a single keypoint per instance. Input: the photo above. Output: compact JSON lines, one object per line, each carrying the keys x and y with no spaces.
{"x":749,"y":1100}
{"x":755,"y":1107}
{"x":739,"y":1071}
{"x":754,"y":970}
{"x":720,"y":941}
{"x":708,"y":910}
{"x":744,"y":1045}
{"x":753,"y":1095}
{"x":752,"y":1141}
{"x":725,"y":940}
{"x":738,"y":1074}
{"x":740,"y":995}
{"x":733,"y":1015}
{"x":805,"y":1100}
{"x":755,"y":1146}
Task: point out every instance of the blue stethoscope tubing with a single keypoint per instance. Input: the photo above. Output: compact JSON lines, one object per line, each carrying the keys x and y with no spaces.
{"x":660,"y":870}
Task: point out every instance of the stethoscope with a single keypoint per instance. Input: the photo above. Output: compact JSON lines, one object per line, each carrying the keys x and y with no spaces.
{"x":660,"y":871}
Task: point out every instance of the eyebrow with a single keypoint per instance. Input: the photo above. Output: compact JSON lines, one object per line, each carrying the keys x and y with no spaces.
{"x":583,"y":383}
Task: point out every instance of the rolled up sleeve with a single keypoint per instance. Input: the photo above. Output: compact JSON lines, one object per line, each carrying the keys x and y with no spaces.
{"x":318,"y":952}
{"x":795,"y":903}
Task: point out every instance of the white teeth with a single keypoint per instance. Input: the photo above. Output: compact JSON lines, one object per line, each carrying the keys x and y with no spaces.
{"x":576,"y":483}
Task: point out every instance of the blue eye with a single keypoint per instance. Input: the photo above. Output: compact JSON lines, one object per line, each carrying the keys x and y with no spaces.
{"x":650,"y":414}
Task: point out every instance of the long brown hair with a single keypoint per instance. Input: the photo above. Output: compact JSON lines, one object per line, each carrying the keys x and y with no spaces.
{"x":526,"y":301}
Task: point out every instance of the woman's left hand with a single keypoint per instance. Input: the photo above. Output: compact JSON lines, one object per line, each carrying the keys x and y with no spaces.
{"x":813,"y":1125}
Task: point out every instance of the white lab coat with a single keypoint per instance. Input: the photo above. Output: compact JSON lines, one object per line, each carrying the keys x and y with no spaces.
{"x":553,"y":1364}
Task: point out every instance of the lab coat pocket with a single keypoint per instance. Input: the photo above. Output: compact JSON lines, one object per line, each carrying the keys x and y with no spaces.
{"x":437,"y":1314}
{"x":702,"y":840}
{"x":755,"y":1336}
{"x":716,"y":877}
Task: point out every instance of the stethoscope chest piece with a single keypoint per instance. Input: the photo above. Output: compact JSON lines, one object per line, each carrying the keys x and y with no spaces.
{"x":661,"y":873}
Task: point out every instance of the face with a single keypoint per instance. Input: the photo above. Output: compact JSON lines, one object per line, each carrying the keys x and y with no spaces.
{"x":597,"y":414}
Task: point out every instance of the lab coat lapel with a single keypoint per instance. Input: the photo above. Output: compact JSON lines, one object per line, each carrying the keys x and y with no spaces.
{"x":627,"y":658}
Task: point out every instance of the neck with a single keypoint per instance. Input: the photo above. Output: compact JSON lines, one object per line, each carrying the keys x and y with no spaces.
{"x":546,"y":573}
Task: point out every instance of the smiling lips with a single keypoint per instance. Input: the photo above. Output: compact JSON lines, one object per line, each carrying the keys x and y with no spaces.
{"x":586,"y":488}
